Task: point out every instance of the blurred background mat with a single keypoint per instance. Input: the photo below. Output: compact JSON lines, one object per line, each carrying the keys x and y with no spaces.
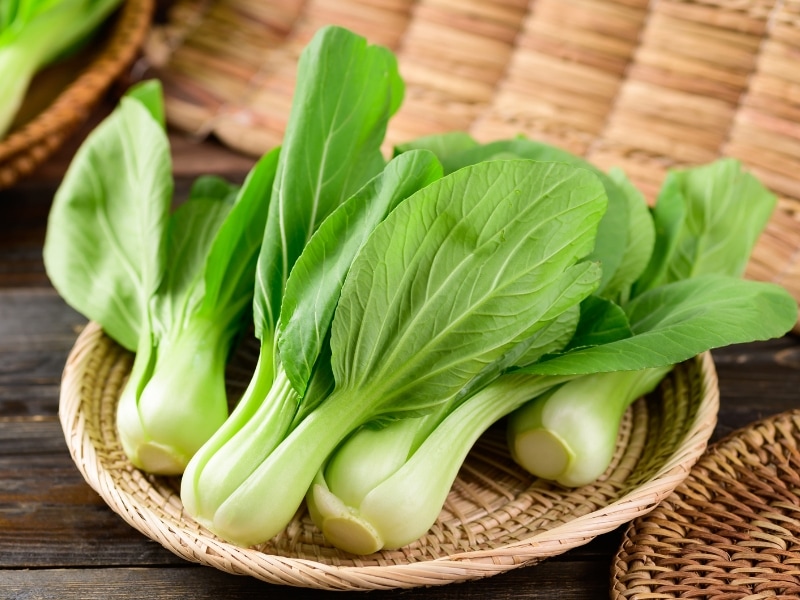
{"x":644,"y":85}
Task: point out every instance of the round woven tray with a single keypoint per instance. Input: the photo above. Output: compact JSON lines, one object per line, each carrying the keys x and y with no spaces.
{"x":731,"y":531}
{"x":496,"y":517}
{"x":66,"y":108}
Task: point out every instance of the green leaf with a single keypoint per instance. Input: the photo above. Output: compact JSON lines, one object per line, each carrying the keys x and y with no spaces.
{"x":191,"y":231}
{"x":151,"y":95}
{"x":37,"y":34}
{"x":708,"y":219}
{"x":551,"y":338}
{"x":612,"y":235}
{"x":640,"y":241}
{"x":105,"y":251}
{"x":443,"y":145}
{"x":231,"y":265}
{"x":601,"y":321}
{"x":200,"y":307}
{"x":679,"y":320}
{"x":490,"y":248}
{"x":213,"y":186}
{"x":346,"y":91}
{"x":314,"y":285}
{"x":453,"y":278}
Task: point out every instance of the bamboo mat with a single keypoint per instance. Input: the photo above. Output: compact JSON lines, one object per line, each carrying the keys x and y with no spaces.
{"x":642,"y":85}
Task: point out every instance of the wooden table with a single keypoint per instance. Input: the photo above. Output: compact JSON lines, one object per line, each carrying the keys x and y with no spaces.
{"x":59,"y":541}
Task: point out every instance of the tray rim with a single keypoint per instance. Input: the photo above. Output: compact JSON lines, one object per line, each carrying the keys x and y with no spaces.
{"x":306,"y":572}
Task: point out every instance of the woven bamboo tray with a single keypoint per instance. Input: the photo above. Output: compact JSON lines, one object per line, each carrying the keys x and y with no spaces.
{"x":62,"y":97}
{"x":731,"y":531}
{"x":496,"y":517}
{"x":640,"y":84}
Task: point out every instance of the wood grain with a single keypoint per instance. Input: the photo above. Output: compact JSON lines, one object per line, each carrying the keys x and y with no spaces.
{"x":546,"y":580}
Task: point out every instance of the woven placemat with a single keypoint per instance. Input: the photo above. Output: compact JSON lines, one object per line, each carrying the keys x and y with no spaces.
{"x":65,"y":94}
{"x":496,"y":518}
{"x":731,"y":531}
{"x":640,"y":84}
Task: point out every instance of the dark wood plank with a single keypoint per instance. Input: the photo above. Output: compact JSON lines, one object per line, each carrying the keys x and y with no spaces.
{"x":37,"y":331}
{"x":576,"y":580}
{"x":756,"y":381}
{"x":23,"y":218}
{"x":50,"y":517}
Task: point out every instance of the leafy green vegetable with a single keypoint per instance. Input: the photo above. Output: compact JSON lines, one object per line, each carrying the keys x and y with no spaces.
{"x":688,"y":299}
{"x":442,"y":145}
{"x":384,"y":487}
{"x":269,"y":409}
{"x":314,"y":284}
{"x":363,"y":501}
{"x":105,"y":250}
{"x":708,"y":219}
{"x":174,"y":287}
{"x":402,"y":307}
{"x":399,"y":507}
{"x":492,"y":248}
{"x":456,"y":151}
{"x":198,"y":313}
{"x":353,"y":89}
{"x":640,"y":238}
{"x":385,"y":484}
{"x":677,"y":321}
{"x":34,"y":33}
{"x":569,"y":434}
{"x":328,"y":159}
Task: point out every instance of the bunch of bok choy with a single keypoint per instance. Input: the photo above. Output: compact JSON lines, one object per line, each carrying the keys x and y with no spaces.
{"x":672,"y":292}
{"x":402,"y":306}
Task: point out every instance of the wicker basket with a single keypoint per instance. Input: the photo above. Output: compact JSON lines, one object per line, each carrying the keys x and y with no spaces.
{"x":66,"y":108}
{"x":731,"y":531}
{"x":496,"y":517}
{"x":637,"y":84}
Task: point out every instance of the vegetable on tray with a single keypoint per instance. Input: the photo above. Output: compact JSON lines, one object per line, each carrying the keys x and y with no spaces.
{"x":35,"y":33}
{"x":402,"y":305}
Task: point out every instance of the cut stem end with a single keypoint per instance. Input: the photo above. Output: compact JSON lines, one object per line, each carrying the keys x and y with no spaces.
{"x":542,"y":453}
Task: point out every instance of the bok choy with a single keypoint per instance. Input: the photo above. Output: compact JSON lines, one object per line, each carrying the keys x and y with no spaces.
{"x":173,"y":286}
{"x":331,"y":154}
{"x":384,"y":486}
{"x":707,"y":221}
{"x":34,"y":33}
{"x":456,"y":276}
{"x":401,"y":306}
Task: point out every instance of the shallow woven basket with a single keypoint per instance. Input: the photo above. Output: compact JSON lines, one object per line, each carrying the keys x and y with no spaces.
{"x":30,"y":144}
{"x":731,"y":531}
{"x":644,"y":85}
{"x":496,"y":517}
